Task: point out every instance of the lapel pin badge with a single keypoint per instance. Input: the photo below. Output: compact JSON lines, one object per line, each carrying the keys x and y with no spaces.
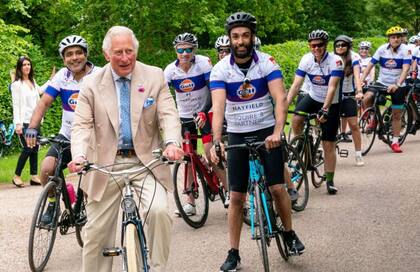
{"x":141,"y":89}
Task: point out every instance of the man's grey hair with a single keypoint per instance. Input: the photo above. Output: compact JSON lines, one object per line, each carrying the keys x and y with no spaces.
{"x":118,"y":31}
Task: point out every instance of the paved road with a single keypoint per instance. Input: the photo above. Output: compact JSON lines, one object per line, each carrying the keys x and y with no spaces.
{"x":372,"y":224}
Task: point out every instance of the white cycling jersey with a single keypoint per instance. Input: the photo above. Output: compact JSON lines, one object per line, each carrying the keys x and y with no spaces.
{"x":347,"y":85}
{"x":306,"y":85}
{"x":416,"y":57}
{"x":320,"y":74}
{"x":249,"y":106}
{"x":191,"y":91}
{"x":391,"y":63}
{"x":64,"y":85}
{"x":363,"y":65}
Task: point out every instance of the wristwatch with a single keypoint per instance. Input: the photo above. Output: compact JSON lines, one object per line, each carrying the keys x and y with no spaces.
{"x":398,"y":85}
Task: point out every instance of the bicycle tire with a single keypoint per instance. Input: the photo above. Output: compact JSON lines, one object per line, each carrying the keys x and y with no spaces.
{"x":280,"y":242}
{"x":406,"y":122}
{"x":299,"y":177}
{"x":134,"y":250}
{"x":318,"y":173}
{"x":1,"y":149}
{"x":262,"y":235}
{"x":368,"y":135}
{"x":201,"y":197}
{"x":35,"y":263}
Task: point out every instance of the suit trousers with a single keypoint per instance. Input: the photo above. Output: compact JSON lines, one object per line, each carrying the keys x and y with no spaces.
{"x":100,"y":230}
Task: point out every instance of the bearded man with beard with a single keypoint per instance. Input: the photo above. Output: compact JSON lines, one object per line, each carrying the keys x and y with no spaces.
{"x":247,"y":89}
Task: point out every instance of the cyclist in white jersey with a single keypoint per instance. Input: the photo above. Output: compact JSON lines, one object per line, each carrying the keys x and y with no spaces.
{"x":66,"y":83}
{"x":364,"y":52}
{"x":241,"y":86}
{"x":222,"y":46}
{"x":325,"y":71}
{"x":351,"y":92}
{"x":189,"y":76}
{"x":395,"y":60}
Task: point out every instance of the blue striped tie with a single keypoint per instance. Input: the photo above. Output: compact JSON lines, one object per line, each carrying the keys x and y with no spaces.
{"x":125,"y":114}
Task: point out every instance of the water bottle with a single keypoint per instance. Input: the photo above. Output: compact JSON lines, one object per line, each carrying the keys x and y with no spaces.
{"x":72,"y":193}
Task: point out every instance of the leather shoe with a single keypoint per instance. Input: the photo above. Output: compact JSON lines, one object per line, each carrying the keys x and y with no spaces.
{"x":35,"y":180}
{"x":17,"y":181}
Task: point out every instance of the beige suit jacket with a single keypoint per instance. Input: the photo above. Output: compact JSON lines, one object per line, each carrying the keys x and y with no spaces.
{"x":97,"y":116}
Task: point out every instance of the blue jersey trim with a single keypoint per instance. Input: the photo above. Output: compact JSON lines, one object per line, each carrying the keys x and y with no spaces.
{"x":217,"y":84}
{"x":374,"y":61}
{"x":385,"y":61}
{"x":199,"y":83}
{"x":238,"y":92}
{"x":52,"y":91}
{"x":274,"y":75}
{"x":300,"y":73}
{"x":337,"y":73}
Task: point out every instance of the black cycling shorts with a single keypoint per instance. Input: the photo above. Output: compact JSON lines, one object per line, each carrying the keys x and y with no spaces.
{"x":397,"y":97}
{"x":348,"y":107}
{"x":238,"y":164}
{"x":191,"y":127}
{"x":330,"y":127}
{"x":54,"y":149}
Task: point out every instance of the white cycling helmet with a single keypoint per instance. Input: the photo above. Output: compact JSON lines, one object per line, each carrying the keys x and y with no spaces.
{"x":72,"y":40}
{"x":413,"y":39}
{"x":222,"y":41}
{"x":257,"y":43}
{"x":365,"y":44}
{"x":185,"y":38}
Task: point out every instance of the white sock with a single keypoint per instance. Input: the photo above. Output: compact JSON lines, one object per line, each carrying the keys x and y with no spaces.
{"x":359,"y":154}
{"x":395,"y":140}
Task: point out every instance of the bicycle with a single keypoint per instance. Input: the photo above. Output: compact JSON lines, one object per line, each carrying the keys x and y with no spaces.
{"x":42,"y":236}
{"x":373,"y":122}
{"x":413,"y":104}
{"x":269,"y":225}
{"x":202,"y":186}
{"x":6,"y":136}
{"x":308,"y":146}
{"x":133,"y":249}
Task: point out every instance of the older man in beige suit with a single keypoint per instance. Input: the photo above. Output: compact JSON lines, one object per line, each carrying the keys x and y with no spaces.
{"x":121,"y":109}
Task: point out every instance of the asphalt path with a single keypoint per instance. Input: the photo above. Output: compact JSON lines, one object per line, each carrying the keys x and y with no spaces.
{"x":372,"y":224}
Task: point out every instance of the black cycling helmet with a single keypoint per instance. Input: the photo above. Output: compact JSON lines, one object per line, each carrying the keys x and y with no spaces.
{"x":241,"y":19}
{"x":344,"y":38}
{"x":186,"y":38}
{"x":318,"y":34}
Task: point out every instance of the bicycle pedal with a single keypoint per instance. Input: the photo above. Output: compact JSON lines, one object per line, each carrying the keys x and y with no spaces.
{"x":112,"y":252}
{"x":344,"y":153}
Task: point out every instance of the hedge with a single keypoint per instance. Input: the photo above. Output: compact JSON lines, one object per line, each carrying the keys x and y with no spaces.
{"x":287,"y":54}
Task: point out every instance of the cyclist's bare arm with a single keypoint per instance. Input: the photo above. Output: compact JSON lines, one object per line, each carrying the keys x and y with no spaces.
{"x":294,"y":89}
{"x":414,"y":65}
{"x":278,"y":93}
{"x":404,"y":73}
{"x":40,"y":110}
{"x":357,"y":81}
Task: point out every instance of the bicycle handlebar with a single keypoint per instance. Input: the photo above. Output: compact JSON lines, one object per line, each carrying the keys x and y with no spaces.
{"x":52,"y":139}
{"x":310,"y":116}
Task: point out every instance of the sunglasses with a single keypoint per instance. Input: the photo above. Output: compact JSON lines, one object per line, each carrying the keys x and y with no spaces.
{"x":317,"y":45}
{"x":223,"y":50}
{"x":363,"y":48}
{"x":341,"y":45}
{"x":186,"y":50}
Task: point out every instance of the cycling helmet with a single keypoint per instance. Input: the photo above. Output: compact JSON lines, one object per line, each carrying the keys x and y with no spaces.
{"x":222,"y":41}
{"x":186,"y":38}
{"x":394,"y":30}
{"x":405,"y":31}
{"x":257,"y":43}
{"x":72,"y":40}
{"x":365,"y":44}
{"x":318,"y":34}
{"x":344,"y":38}
{"x":241,"y":19}
{"x":413,"y":39}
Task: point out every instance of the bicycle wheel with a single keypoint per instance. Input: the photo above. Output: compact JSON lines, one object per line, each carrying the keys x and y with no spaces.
{"x":406,"y":121}
{"x":81,"y":217}
{"x":42,"y":237}
{"x":184,"y":193}
{"x":368,"y":123}
{"x":260,"y":231}
{"x":317,"y":174}
{"x":134,"y":250}
{"x":299,"y":178}
{"x":281,"y":243}
{"x":1,"y":149}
